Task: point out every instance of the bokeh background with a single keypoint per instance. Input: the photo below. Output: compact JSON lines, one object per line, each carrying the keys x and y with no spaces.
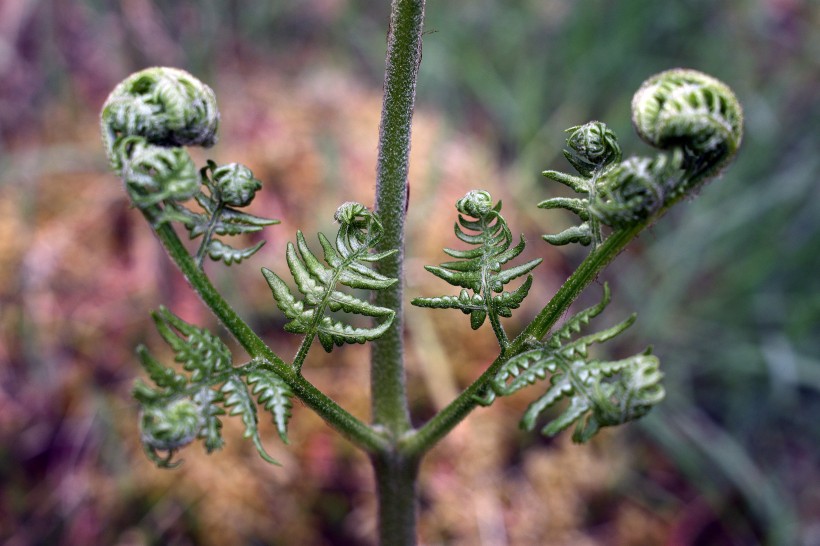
{"x":727,"y":287}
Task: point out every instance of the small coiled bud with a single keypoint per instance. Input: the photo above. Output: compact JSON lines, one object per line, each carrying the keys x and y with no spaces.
{"x":153,"y":174}
{"x":236,"y":184}
{"x":634,"y":189}
{"x":637,"y":391}
{"x":350,"y":211}
{"x":477,"y":203}
{"x":592,"y":147}
{"x":683,"y":108}
{"x":360,"y":227}
{"x":166,"y":106}
{"x":171,"y":426}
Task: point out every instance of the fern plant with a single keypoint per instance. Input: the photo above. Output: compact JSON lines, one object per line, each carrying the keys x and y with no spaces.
{"x":183,"y":408}
{"x":479,"y":270}
{"x":360,"y":230}
{"x":633,"y":389}
{"x":694,"y":120}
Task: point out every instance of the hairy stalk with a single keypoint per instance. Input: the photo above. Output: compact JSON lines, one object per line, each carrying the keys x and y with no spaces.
{"x":348,"y":425}
{"x":395,"y":473}
{"x":402,"y":63}
{"x":396,"y":476}
{"x":206,"y":237}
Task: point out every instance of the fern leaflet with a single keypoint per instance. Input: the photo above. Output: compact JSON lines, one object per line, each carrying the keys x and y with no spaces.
{"x":275,"y":396}
{"x":345,"y":264}
{"x":182,"y":408}
{"x":479,"y":270}
{"x":607,"y":392}
{"x":229,"y":187}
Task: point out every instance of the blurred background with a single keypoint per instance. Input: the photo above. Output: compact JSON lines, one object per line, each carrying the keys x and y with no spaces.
{"x":727,"y":287}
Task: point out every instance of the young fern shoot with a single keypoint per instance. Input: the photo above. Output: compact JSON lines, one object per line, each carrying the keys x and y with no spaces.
{"x":183,"y":408}
{"x":229,"y":187}
{"x":479,"y":270}
{"x":359,"y":232}
{"x":693,"y":117}
{"x":147,"y":120}
{"x":612,"y":392}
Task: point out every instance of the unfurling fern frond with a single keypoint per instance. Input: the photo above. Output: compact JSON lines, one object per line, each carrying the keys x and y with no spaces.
{"x":166,"y":106}
{"x":601,"y":393}
{"x":479,"y":271}
{"x":346,"y":264}
{"x":229,"y":187}
{"x":182,"y":408}
{"x":146,"y":120}
{"x":695,"y":118}
{"x":688,"y":110}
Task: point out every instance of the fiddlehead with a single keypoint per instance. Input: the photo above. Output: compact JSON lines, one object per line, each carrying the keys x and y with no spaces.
{"x":479,"y":271}
{"x":607,"y":392}
{"x":592,"y":149}
{"x":691,"y":111}
{"x":184,"y":407}
{"x":693,"y":117}
{"x":346,"y":264}
{"x":229,"y":187}
{"x":165,"y":106}
{"x":145,"y":122}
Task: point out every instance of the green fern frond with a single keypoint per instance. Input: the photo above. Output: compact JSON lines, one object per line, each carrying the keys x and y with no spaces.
{"x":183,"y":408}
{"x":610,"y":392}
{"x":146,"y":121}
{"x":694,"y":118}
{"x":275,"y":396}
{"x":633,"y":390}
{"x":162,"y":376}
{"x":198,"y":350}
{"x":228,"y":187}
{"x":239,"y":402}
{"x":345,"y":264}
{"x":478,"y":271}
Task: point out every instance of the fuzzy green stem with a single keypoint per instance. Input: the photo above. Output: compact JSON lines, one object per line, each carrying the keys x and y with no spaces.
{"x":209,"y":232}
{"x":302,"y":353}
{"x":418,"y":442}
{"x":348,"y":425}
{"x":395,"y":473}
{"x":396,"y":477}
{"x":389,"y":396}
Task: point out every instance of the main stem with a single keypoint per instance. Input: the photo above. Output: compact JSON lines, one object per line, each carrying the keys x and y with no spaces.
{"x":395,"y":473}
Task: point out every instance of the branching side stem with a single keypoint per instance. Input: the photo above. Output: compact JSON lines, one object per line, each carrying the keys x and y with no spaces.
{"x":338,"y":418}
{"x":420,"y":441}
